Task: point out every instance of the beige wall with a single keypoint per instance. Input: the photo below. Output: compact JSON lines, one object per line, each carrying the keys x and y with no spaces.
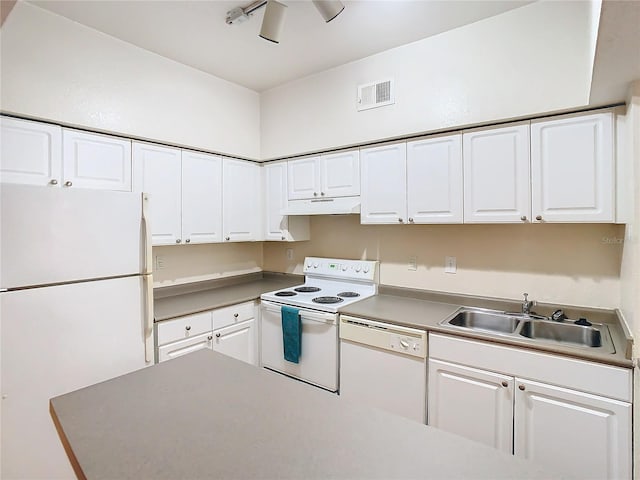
{"x":571,"y":264}
{"x":193,"y":263}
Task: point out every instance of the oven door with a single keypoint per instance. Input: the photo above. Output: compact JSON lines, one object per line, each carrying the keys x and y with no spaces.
{"x":319,"y":349}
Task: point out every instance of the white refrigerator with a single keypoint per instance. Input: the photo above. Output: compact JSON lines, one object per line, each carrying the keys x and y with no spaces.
{"x":76,"y":308}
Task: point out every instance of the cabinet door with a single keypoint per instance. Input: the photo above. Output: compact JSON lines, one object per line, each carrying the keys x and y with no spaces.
{"x":96,"y":161}
{"x":201,"y":198}
{"x":30,"y":152}
{"x":383,"y":184}
{"x":275,"y":185}
{"x":304,"y":178}
{"x":340,"y":174}
{"x":434,"y":180}
{"x":472,"y":403}
{"x":496,"y":175}
{"x":573,"y":433}
{"x":572,"y":169}
{"x":183,"y":328}
{"x":184,"y":347}
{"x":238,"y":341}
{"x":158,"y":171}
{"x":241,"y":201}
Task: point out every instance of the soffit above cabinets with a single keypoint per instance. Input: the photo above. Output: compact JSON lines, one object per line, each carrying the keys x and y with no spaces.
{"x":194,"y":33}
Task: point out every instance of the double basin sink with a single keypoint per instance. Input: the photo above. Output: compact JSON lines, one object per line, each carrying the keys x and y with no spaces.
{"x":533,"y":328}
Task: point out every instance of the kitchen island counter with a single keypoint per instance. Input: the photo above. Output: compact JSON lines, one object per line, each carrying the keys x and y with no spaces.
{"x":205,"y":415}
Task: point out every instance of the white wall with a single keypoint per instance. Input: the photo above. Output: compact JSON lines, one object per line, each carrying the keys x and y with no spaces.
{"x":537,"y":58}
{"x":59,"y":70}
{"x":577,"y":264}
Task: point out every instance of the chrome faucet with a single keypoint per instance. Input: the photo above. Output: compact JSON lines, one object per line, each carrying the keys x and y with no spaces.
{"x":527,"y":304}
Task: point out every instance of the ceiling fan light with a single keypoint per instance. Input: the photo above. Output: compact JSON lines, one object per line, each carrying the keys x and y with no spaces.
{"x":273,"y":21}
{"x":329,"y":9}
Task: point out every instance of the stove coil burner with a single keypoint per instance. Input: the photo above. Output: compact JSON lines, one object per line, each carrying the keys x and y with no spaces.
{"x":348,"y":294}
{"x":328,"y":300}
{"x":285,"y":293}
{"x":307,"y":289}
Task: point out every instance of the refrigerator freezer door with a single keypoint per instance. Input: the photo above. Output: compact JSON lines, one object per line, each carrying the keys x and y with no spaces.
{"x":55,"y":340}
{"x":54,"y":235}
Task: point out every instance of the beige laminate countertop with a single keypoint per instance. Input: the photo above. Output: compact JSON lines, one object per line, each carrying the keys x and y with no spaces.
{"x":172,"y":302}
{"x":427,"y":314}
{"x":205,"y":415}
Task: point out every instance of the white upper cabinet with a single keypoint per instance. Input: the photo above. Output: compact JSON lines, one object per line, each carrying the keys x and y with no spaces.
{"x":572,"y":169}
{"x":242,"y":201}
{"x":30,"y":152}
{"x":34,"y":153}
{"x":383,"y":184}
{"x":326,"y":176}
{"x":496,"y":174}
{"x":96,"y":161}
{"x":434,"y":180}
{"x":158,"y":172}
{"x":201,"y":197}
{"x":277,"y":226}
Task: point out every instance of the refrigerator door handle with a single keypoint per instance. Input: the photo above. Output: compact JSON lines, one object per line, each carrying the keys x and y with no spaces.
{"x":146,"y":236}
{"x":147,"y":281}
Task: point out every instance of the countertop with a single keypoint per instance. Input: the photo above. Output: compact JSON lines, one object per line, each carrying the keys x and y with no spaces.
{"x":172,"y":302}
{"x":426,"y":314}
{"x":205,"y":415}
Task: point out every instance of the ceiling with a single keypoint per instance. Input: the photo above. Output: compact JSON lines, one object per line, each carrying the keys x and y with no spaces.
{"x":194,"y":33}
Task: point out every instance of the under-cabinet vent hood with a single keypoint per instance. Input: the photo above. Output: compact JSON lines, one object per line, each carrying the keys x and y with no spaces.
{"x":323,"y":206}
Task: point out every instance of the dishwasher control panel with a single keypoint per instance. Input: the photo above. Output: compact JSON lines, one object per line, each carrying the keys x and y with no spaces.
{"x":406,"y":344}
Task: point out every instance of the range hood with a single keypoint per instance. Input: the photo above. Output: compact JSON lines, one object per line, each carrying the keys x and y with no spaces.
{"x":323,"y":206}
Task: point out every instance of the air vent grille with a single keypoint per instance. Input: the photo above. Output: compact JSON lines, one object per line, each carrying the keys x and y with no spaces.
{"x":376,"y":94}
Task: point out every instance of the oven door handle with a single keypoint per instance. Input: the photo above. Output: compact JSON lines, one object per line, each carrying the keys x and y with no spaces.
{"x":305,"y":314}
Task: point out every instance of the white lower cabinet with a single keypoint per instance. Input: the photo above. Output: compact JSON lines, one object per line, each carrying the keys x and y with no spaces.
{"x":569,"y":416}
{"x":230,"y":330}
{"x":456,"y":390}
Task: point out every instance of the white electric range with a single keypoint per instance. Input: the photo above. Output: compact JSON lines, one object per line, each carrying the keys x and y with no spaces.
{"x":329,"y":285}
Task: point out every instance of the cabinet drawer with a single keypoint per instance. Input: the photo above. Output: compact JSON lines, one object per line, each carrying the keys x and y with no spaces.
{"x":183,"y":347}
{"x":184,"y":327}
{"x":226,"y":316}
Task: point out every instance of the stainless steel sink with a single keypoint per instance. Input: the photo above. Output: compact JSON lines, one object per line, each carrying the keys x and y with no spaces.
{"x":532,"y":328}
{"x":484,"y":320}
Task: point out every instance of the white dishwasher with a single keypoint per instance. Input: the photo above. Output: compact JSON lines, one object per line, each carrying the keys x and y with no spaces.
{"x":384,"y":366}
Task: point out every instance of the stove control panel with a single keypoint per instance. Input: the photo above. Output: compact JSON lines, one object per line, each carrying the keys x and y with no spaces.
{"x":366,"y":270}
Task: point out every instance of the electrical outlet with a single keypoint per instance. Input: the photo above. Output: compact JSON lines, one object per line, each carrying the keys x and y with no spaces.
{"x":289,"y":253}
{"x":160,"y":262}
{"x":450,"y":265}
{"x":413,"y":263}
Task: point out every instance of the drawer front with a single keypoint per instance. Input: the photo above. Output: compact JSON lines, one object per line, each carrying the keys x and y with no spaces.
{"x":223,"y":317}
{"x":184,"y":327}
{"x":184,"y":347}
{"x":586,"y":376}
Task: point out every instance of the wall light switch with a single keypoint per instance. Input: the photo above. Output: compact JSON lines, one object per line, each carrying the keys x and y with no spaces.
{"x":289,"y":253}
{"x":413,"y":264}
{"x":450,"y":265}
{"x":160,"y":262}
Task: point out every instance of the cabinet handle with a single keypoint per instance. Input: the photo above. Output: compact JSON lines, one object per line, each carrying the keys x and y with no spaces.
{"x":315,"y":194}
{"x":210,"y":337}
{"x":227,"y":238}
{"x":188,"y":240}
{"x":187,"y":328}
{"x":523,"y":218}
{"x":400,"y":220}
{"x":67,"y":183}
{"x":411,"y":220}
{"x":178,"y":240}
{"x":53,"y":181}
{"x":538,"y":217}
{"x":283,"y":237}
{"x":322,"y":194}
{"x":505,"y":384}
{"x":521,"y":387}
{"x":235,"y":315}
{"x":217,"y":335}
